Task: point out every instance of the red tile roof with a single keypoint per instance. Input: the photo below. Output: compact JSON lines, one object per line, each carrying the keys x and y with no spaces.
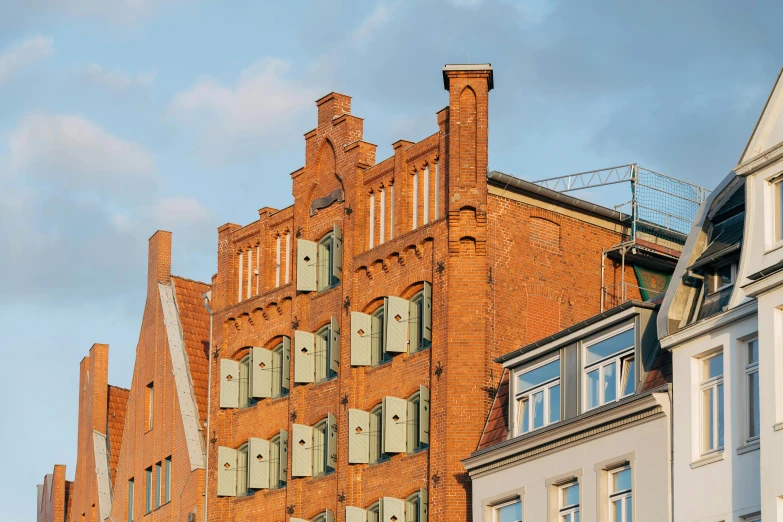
{"x":115,"y":423}
{"x":195,"y":328}
{"x":496,"y":429}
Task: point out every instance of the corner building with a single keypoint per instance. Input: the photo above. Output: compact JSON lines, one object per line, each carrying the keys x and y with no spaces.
{"x":354,"y":332}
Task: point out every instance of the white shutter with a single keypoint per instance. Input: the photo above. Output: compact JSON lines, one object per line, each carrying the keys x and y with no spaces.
{"x":331,"y":440}
{"x":286,"y":363}
{"x":395,"y":414}
{"x":329,"y":516}
{"x":424,"y":505}
{"x":427,"y":312}
{"x":424,"y":414}
{"x":304,"y":356}
{"x":355,"y":514}
{"x":337,"y":252}
{"x":283,"y":455}
{"x":229,"y":383}
{"x":301,"y":451}
{"x":260,"y":373}
{"x":396,"y":318}
{"x":361,"y":339}
{"x":306,"y":265}
{"x":258,"y":462}
{"x":334,"y":359}
{"x":392,"y":510}
{"x":294,"y":519}
{"x":227,"y":472}
{"x":358,"y":437}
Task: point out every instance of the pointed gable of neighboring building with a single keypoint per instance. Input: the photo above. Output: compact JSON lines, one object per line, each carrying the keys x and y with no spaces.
{"x":54,"y":496}
{"x":115,"y":422}
{"x":768,"y":132}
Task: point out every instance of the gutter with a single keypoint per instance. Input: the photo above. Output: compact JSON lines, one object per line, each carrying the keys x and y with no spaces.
{"x":207,"y":297}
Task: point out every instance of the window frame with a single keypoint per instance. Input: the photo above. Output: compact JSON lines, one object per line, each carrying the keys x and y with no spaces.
{"x":568,"y":510}
{"x":706,"y":384}
{"x":414,"y":425}
{"x":131,"y":497}
{"x":417,"y":302}
{"x":618,"y":359}
{"x":713,"y":276}
{"x":375,"y":510}
{"x":243,"y":450}
{"x":244,"y":398}
{"x":158,"y":483}
{"x":378,"y":354}
{"x":376,"y":436}
{"x":528,"y":394}
{"x":150,"y":405}
{"x":623,"y":496}
{"x":324,"y":278}
{"x":278,"y":353}
{"x":322,"y":460}
{"x":497,"y":507}
{"x":277,"y":469}
{"x":323,"y":354}
{"x":148,"y":491}
{"x":167,"y":480}
{"x":776,"y":184}
{"x":750,"y":369}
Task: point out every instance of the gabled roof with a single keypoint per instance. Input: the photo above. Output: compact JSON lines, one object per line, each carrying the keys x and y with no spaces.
{"x":115,"y":423}
{"x":496,"y":429}
{"x":768,"y":131}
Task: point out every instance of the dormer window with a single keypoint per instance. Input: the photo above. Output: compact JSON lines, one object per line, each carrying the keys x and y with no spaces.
{"x":722,"y":277}
{"x":609,"y":368}
{"x":538,"y":396}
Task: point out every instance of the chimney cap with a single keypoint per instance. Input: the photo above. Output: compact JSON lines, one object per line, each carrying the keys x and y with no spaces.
{"x":467,"y":67}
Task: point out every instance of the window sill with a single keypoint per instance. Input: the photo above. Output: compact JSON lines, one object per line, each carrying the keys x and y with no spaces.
{"x":326,"y":291}
{"x":749,"y":446}
{"x":709,"y":459}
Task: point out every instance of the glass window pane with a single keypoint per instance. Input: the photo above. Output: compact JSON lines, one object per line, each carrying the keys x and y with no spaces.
{"x":617,"y":511}
{"x":629,"y":376}
{"x":554,"y":403}
{"x":566,"y":518}
{"x":720,"y":416}
{"x":713,"y":367}
{"x":753,"y":352}
{"x":610,"y":383}
{"x":538,"y":376}
{"x":753,"y":404}
{"x":621,"y":481}
{"x":242,"y":471}
{"x":522,"y":416}
{"x":723,"y":276}
{"x":570,"y":495}
{"x":628,"y":510}
{"x":243,"y":382}
{"x":510,"y":512}
{"x":538,"y":409}
{"x":610,"y":346}
{"x":779,"y":209}
{"x":593,"y":395}
{"x":576,"y":516}
{"x":708,"y":419}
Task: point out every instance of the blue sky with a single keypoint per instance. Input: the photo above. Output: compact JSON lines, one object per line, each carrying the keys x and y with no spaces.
{"x":119,"y":117}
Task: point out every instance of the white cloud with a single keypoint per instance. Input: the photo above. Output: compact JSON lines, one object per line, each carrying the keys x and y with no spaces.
{"x":22,"y":54}
{"x":118,"y":80}
{"x":374,"y":22}
{"x":235,"y":118}
{"x":180,"y":210}
{"x":75,"y":153}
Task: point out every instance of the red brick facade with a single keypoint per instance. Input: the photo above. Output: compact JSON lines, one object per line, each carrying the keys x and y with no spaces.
{"x":54,"y":496}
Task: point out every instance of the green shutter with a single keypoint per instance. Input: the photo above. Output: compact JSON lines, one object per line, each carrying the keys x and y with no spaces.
{"x":258,"y":462}
{"x":361,"y":339}
{"x":424,"y":414}
{"x":331,"y":440}
{"x":395,"y":414}
{"x":306,"y":265}
{"x":396,"y":319}
{"x":283,"y":455}
{"x":355,"y":514}
{"x":392,"y":509}
{"x":337,"y":252}
{"x":260,"y":373}
{"x":286,"y":381}
{"x":304,"y":356}
{"x":427,"y":330}
{"x":301,"y":451}
{"x":227,"y":472}
{"x":334,"y":359}
{"x":229,"y":383}
{"x":358,"y":437}
{"x":424,"y":505}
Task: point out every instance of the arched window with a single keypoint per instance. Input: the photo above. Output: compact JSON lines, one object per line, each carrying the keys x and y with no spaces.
{"x":245,"y":399}
{"x":413,"y":425}
{"x":323,"y":354}
{"x":326,"y":260}
{"x":376,"y":440}
{"x":379,"y":354}
{"x":326,"y":516}
{"x":374,"y":513}
{"x":277,"y":468}
{"x":242,"y":470}
{"x":322,"y":461}
{"x":278,"y":367}
{"x":420,"y":322}
{"x":416,"y":507}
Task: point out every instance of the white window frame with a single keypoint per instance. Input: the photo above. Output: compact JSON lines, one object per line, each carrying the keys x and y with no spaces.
{"x":378,"y":355}
{"x":243,"y":448}
{"x":321,"y":465}
{"x":376,"y":436}
{"x":571,"y":509}
{"x":416,"y":341}
{"x":776,"y":184}
{"x":751,"y":368}
{"x":323,"y":354}
{"x":704,"y":385}
{"x":616,"y":358}
{"x":528,"y":396}
{"x":714,"y":276}
{"x":278,"y":377}
{"x":496,"y":509}
{"x":621,"y":496}
{"x":244,"y":395}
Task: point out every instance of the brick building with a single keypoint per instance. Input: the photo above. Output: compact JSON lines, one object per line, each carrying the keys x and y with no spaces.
{"x":161,"y":465}
{"x":54,"y":496}
{"x":355,"y":331}
{"x":101,"y":420}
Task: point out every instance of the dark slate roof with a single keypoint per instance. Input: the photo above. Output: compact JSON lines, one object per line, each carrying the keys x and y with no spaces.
{"x":766,"y":271}
{"x":733,"y":205}
{"x":726,"y":239}
{"x":714,"y":303}
{"x":496,"y":429}
{"x":661,"y":372}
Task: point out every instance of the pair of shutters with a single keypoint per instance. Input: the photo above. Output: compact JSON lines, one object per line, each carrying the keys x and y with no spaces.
{"x":328,"y":517}
{"x":261,"y":370}
{"x":389,"y":509}
{"x":305,"y":357}
{"x":302,"y":447}
{"x":307,"y":261}
{"x":394,"y":430}
{"x":259,"y":460}
{"x":396,"y":328}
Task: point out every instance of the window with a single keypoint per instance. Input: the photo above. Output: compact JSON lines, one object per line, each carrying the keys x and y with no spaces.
{"x":277,"y":468}
{"x":167,"y":488}
{"x":287,"y":257}
{"x":240,"y":274}
{"x":721,"y":277}
{"x":568,"y":502}
{"x":277,"y":262}
{"x":414,"y":424}
{"x":712,"y":403}
{"x":426,"y":198}
{"x":323,"y":463}
{"x":150,"y":404}
{"x":415,"y":217}
{"x":323,"y":354}
{"x":372,"y":219}
{"x":148,"y":485}
{"x":278,"y":366}
{"x":242,"y":470}
{"x":374,"y":513}
{"x":508,"y":512}
{"x":752,"y":379}
{"x":326,"y":516}
{"x":538,"y":397}
{"x":421,"y":320}
{"x":130,"y":500}
{"x":379,"y":354}
{"x":620,"y":498}
{"x":383,"y":216}
{"x":416,"y":507}
{"x":376,"y":442}
{"x":777,"y":188}
{"x":326,"y":271}
{"x":609,"y":368}
{"x":244,"y":383}
{"x":157,"y":485}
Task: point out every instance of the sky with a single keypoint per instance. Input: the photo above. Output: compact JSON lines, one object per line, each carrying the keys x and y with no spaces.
{"x":121,"y":117}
